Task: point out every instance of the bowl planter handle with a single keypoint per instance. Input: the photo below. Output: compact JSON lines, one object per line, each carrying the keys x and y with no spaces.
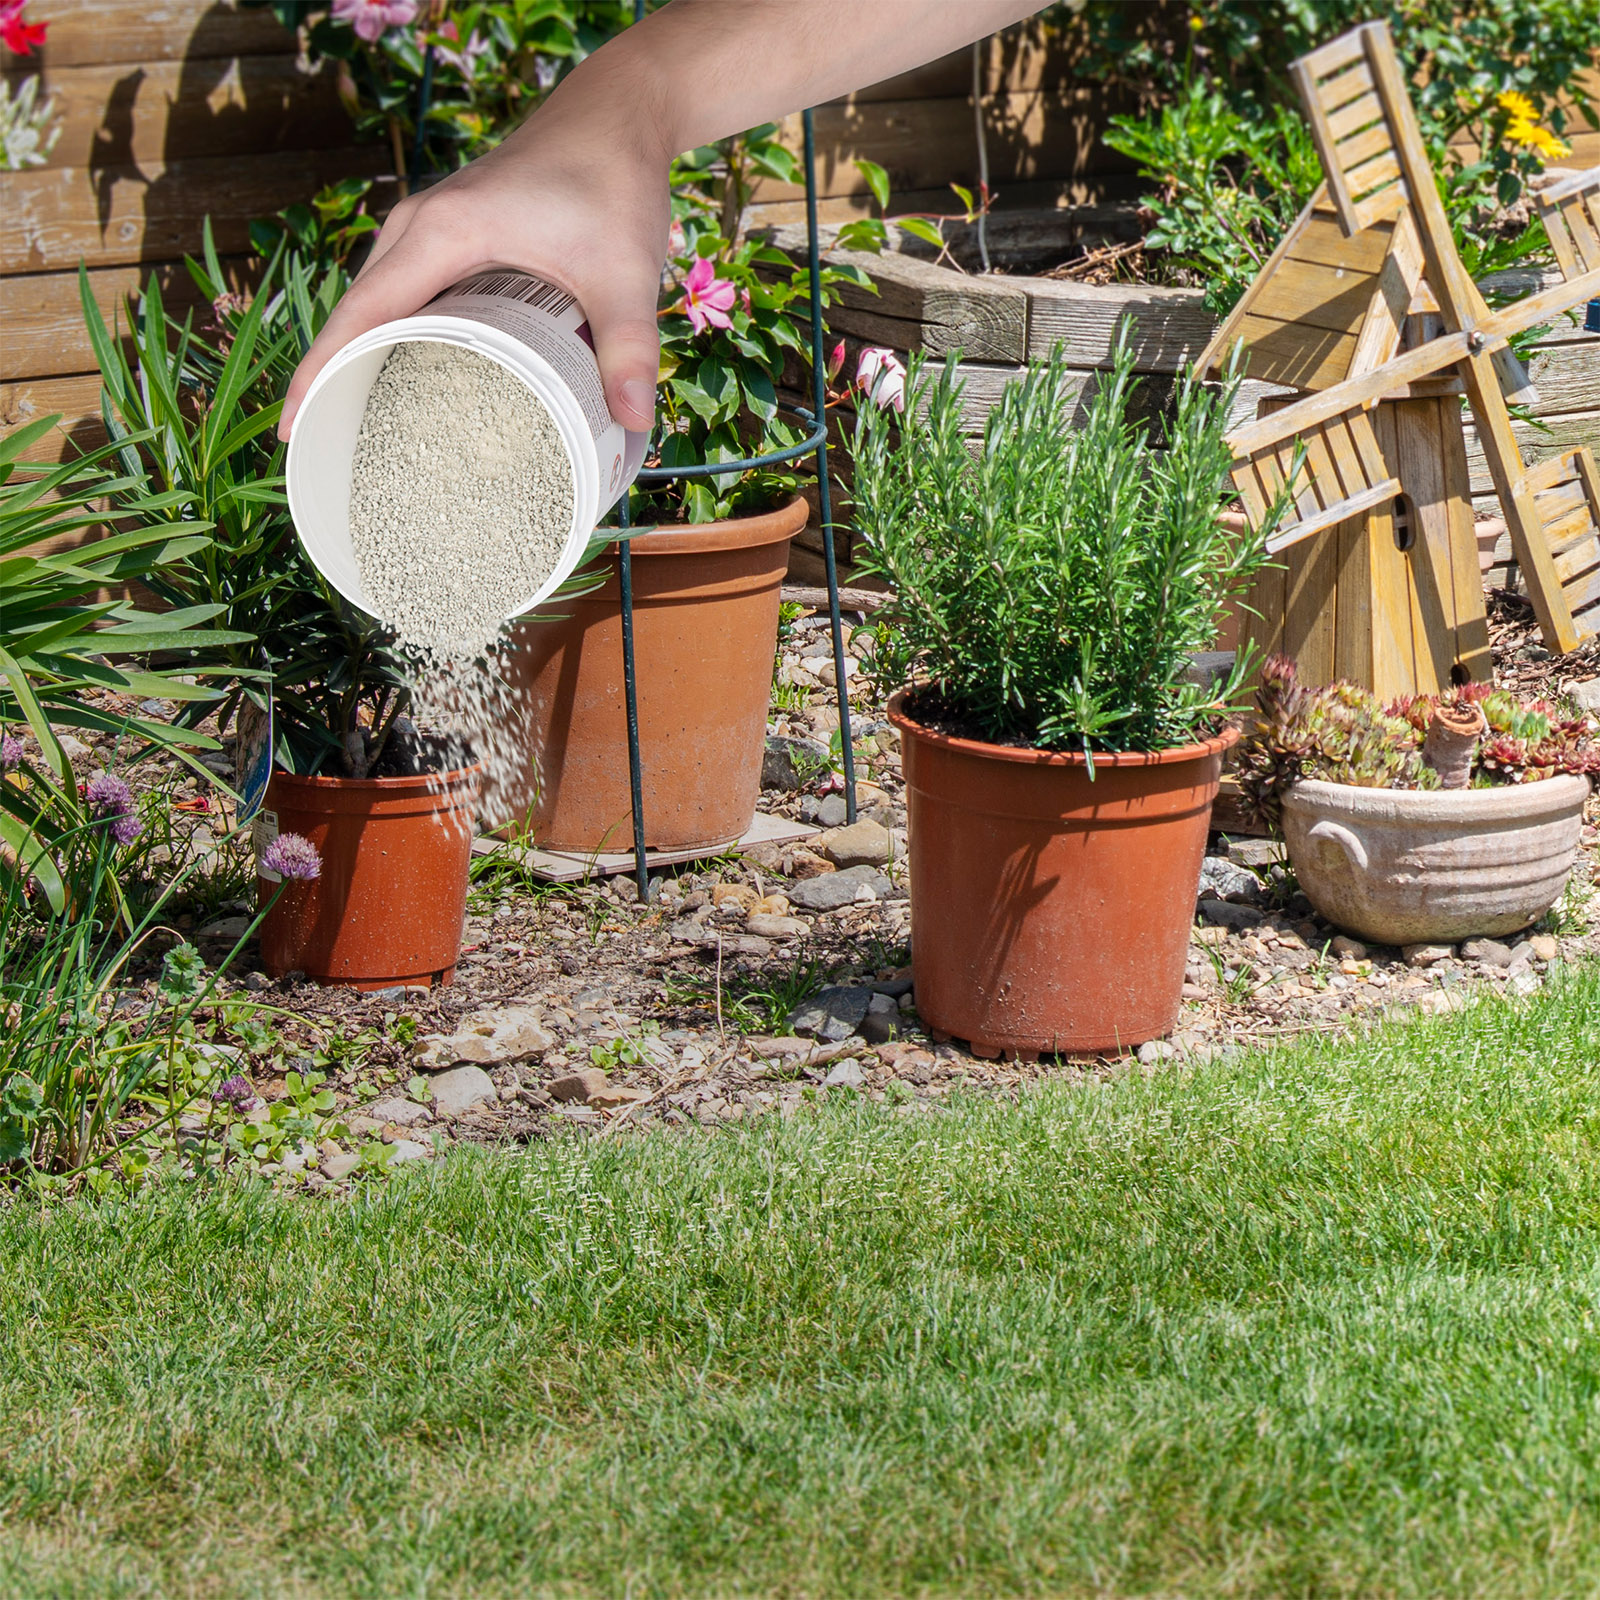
{"x":1336,"y":833}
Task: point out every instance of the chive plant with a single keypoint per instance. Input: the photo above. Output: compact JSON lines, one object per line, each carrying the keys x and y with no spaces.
{"x":1051,"y":587}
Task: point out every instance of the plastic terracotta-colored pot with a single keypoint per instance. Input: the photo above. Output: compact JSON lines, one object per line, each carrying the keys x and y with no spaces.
{"x":705,"y":629}
{"x":1050,"y":912}
{"x":389,"y":905}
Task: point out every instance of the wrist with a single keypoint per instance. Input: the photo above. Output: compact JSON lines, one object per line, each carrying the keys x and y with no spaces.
{"x":619,"y":102}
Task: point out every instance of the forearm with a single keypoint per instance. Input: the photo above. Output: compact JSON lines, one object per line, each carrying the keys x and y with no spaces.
{"x":699,"y":70}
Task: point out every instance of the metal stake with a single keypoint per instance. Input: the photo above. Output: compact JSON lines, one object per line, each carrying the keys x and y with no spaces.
{"x":630,"y":690}
{"x":819,"y":392}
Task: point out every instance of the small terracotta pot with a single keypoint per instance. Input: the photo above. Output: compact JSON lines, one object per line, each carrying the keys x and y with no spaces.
{"x":390,"y":903}
{"x":705,"y":629}
{"x":1050,"y":912}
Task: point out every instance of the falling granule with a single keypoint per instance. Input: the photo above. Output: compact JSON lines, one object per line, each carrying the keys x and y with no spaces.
{"x":461,"y":501}
{"x":461,"y":498}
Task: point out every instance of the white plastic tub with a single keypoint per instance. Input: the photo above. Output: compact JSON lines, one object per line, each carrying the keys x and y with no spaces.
{"x":532,"y":329}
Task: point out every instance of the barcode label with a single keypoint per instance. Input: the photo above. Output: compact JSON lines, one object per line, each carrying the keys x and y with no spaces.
{"x":530,"y":291}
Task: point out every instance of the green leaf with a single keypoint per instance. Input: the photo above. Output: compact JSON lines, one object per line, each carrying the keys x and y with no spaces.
{"x":877,"y":180}
{"x":921,"y":228}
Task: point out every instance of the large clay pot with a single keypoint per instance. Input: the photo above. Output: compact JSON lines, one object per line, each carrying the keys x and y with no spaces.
{"x":1431,"y":866}
{"x":705,"y":630}
{"x":389,"y":905}
{"x":1050,"y":912}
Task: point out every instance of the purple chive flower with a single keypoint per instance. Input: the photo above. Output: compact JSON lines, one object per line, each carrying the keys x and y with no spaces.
{"x":111,"y":801}
{"x":10,"y":752}
{"x":292,"y":856}
{"x":234,"y":1091}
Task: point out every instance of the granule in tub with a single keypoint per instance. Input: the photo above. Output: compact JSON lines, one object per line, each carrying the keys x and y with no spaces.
{"x":461,"y":498}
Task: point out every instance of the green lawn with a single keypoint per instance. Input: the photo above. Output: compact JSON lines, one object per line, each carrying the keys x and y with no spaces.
{"x":1322,"y":1322}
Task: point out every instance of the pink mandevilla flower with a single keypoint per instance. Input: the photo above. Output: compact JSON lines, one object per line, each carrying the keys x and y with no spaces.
{"x":707,"y":298}
{"x":292,"y":856}
{"x":18,"y":36}
{"x":836,"y":361}
{"x":881,"y":375}
{"x":373,"y":18}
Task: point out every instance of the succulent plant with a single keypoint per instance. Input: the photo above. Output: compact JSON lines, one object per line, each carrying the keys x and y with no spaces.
{"x":1345,"y":734}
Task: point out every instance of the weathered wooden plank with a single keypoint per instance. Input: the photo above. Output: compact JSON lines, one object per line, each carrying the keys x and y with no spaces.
{"x":1168,"y":327}
{"x":1317,"y":295}
{"x":43,"y":316}
{"x":120,"y":116}
{"x":1299,"y":357}
{"x":98,"y":32}
{"x":1567,"y":431}
{"x":77,"y":400}
{"x":51,"y":217}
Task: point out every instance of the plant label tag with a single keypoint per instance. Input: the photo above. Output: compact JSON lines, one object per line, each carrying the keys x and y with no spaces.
{"x":252,"y":761}
{"x":263,"y":831}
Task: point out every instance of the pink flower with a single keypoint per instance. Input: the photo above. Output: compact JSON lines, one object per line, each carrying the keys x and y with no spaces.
{"x":835,"y":362}
{"x":18,"y":36}
{"x":465,"y":59}
{"x":373,"y":18}
{"x":881,"y":375}
{"x":293,"y":856}
{"x":707,"y":298}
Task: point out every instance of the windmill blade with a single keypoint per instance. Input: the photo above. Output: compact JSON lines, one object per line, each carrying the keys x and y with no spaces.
{"x":1570,"y":209}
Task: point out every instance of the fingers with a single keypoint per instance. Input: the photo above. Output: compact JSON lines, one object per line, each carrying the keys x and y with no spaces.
{"x":621,"y":308}
{"x":426,"y":258}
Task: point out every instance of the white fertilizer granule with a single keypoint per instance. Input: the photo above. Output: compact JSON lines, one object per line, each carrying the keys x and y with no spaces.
{"x":461,"y":501}
{"x":460,"y":498}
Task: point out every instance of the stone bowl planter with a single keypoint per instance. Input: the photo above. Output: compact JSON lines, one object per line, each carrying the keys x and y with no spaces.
{"x":1399,"y":866}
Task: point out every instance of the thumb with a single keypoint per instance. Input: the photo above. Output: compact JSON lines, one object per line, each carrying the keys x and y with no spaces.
{"x":622,"y":323}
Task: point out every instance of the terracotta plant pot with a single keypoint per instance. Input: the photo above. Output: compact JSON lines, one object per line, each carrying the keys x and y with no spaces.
{"x":390,"y":903}
{"x":1050,"y":912}
{"x":1431,"y":866}
{"x":705,"y":630}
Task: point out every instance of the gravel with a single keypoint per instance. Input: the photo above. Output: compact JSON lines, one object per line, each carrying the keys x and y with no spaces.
{"x":461,"y":497}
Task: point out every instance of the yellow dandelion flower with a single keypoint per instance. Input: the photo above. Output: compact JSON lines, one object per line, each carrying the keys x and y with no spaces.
{"x":1520,"y":106}
{"x":1529,"y":136}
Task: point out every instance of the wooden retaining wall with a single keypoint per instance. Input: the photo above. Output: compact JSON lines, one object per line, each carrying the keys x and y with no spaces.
{"x":999,"y":324}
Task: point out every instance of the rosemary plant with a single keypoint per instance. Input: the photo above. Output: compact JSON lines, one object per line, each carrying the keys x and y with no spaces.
{"x":1050,"y":589}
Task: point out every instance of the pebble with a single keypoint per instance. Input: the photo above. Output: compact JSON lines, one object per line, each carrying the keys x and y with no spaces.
{"x":583,"y":1085}
{"x":1426,"y":955}
{"x":338,"y":1167}
{"x":835,"y":889}
{"x":1348,"y":949}
{"x":734,"y":894}
{"x":863,"y":843}
{"x":460,"y":1089}
{"x":788,"y":763}
{"x":489,"y":1038}
{"x":409,"y":1150}
{"x":833,"y":1013}
{"x":846,"y":1074}
{"x":770,"y":927}
{"x":1153,"y":1051}
{"x":1491,"y":952}
{"x":1225,"y":914}
{"x":403,"y":1113}
{"x":1544,"y":947}
{"x":1225,"y":879}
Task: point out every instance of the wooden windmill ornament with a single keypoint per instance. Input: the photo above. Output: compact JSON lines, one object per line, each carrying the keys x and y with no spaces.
{"x":1367,"y":310}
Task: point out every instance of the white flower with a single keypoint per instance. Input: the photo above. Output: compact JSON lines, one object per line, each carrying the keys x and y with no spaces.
{"x":881,"y":375}
{"x":26,"y":137}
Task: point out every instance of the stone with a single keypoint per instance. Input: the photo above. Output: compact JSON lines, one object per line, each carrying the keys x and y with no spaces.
{"x":837,"y":889}
{"x":747,"y":944}
{"x":409,"y":1150}
{"x":846,"y":1074}
{"x":863,"y":843}
{"x":460,"y":1089}
{"x":1544,"y":948}
{"x":734,"y":894}
{"x":878,"y":1027}
{"x":771,"y":905}
{"x":688,"y":931}
{"x":1521,"y":956}
{"x":402,"y":1113}
{"x":1225,"y":914}
{"x":831,"y":1014}
{"x":618,"y":1094}
{"x":74,"y":749}
{"x":1587,"y":694}
{"x":1491,"y":952}
{"x":488,"y":1038}
{"x":803,"y":864}
{"x":771,"y":1048}
{"x":1223,"y":879}
{"x":789,"y":764}
{"x":831,"y":811}
{"x":1210,"y":938}
{"x":769,"y":927}
{"x":339,"y":1167}
{"x":1254,"y":852}
{"x":226,"y":930}
{"x":579,"y":1085}
{"x":1426,"y":955}
{"x":255,"y":982}
{"x":895,"y":986}
{"x":1522,"y":983}
{"x":1153,"y":1051}
{"x":1348,"y":949}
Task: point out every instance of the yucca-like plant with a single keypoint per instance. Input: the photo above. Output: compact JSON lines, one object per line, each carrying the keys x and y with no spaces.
{"x":1050,"y":589}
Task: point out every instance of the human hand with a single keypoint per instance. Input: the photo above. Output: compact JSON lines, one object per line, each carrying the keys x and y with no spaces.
{"x":576,"y":196}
